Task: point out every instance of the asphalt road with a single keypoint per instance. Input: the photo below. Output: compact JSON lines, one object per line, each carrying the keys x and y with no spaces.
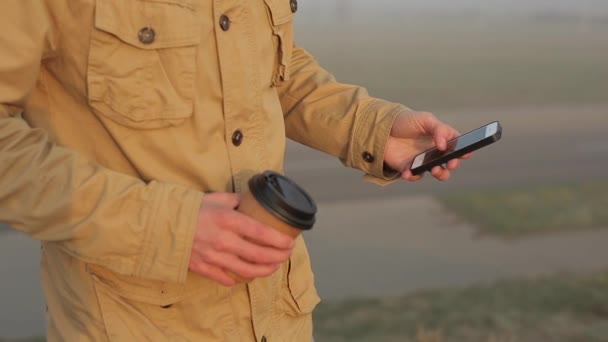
{"x":374,"y":240}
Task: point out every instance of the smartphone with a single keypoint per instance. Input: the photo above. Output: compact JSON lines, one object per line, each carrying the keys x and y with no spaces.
{"x":457,"y":147}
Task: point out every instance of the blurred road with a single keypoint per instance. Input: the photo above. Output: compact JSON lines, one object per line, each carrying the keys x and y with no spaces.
{"x":393,"y":246}
{"x":374,"y":240}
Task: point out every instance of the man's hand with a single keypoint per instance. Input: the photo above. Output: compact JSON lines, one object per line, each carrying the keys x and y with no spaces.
{"x":414,"y":133}
{"x":228,"y":242}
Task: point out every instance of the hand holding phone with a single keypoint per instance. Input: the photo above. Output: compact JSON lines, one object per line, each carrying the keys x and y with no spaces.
{"x":457,"y":147}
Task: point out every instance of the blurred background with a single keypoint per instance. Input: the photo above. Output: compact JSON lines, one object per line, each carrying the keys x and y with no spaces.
{"x":514,"y":246}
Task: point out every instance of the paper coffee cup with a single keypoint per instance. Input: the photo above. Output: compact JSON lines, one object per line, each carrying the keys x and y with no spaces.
{"x":280,"y":203}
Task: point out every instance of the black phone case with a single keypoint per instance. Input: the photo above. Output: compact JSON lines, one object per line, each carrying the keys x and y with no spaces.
{"x":459,"y":153}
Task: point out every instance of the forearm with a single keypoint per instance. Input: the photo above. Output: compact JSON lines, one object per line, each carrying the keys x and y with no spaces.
{"x":53,"y":194}
{"x":340,"y":119}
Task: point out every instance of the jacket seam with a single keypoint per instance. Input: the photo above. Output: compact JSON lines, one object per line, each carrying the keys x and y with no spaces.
{"x":188,"y":238}
{"x":358,"y":124}
{"x":148,"y":233}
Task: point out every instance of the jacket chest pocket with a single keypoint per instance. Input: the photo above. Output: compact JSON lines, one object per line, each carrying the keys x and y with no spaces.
{"x":281,"y":13}
{"x":142,"y":61}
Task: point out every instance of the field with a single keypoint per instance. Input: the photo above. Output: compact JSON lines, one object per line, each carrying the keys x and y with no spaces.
{"x":556,"y":308}
{"x":564,"y":307}
{"x":520,"y":212}
{"x":480,"y":62}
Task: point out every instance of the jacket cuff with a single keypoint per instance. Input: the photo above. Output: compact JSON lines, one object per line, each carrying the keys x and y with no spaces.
{"x":169,"y":233}
{"x":368,"y":141}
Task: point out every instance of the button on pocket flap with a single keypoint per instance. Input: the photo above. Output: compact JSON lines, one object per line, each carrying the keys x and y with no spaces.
{"x":280,"y":11}
{"x":149,"y":24}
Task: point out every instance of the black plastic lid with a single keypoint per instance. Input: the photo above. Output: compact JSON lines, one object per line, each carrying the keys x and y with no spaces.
{"x":284,"y":198}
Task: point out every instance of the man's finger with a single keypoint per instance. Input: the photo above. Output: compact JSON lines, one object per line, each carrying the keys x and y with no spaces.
{"x":260,"y":233}
{"x":407,"y":175}
{"x":252,"y":252}
{"x":256,"y":231}
{"x":442,"y":135}
{"x":239,"y":266}
{"x":440,"y":142}
{"x":440,"y":173}
{"x":467,"y":156}
{"x":453,"y":164}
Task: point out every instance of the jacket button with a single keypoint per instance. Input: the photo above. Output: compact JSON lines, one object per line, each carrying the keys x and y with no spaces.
{"x":368,"y":157}
{"x":237,"y":138}
{"x":263,"y":339}
{"x":225,"y":22}
{"x":146,"y":35}
{"x":294,"y":5}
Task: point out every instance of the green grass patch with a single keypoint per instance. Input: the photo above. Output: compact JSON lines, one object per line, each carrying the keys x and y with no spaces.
{"x":555,"y":308}
{"x":517,"y":212}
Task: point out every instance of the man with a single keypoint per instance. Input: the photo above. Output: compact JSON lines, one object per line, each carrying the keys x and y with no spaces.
{"x":127,"y":130}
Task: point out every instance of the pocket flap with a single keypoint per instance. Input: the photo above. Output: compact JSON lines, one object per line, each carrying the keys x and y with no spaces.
{"x":304,"y":294}
{"x":280,"y":11}
{"x":173,"y":22}
{"x":302,"y":297}
{"x":149,"y":291}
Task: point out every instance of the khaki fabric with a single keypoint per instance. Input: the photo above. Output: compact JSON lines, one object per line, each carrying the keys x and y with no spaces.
{"x":116,"y":116}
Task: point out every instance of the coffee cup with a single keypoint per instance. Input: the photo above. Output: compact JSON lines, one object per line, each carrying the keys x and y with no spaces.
{"x":279,"y":203}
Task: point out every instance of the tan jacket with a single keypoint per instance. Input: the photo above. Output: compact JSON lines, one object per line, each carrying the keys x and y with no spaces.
{"x":116,"y":116}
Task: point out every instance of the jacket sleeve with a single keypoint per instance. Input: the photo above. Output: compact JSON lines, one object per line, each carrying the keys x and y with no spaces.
{"x":339,"y":119}
{"x":54,"y":194}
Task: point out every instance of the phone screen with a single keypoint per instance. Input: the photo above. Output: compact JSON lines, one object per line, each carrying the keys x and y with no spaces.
{"x":456,"y":144}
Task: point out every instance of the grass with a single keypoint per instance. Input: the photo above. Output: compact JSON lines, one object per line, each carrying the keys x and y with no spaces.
{"x":520,"y":212}
{"x":555,"y":308}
